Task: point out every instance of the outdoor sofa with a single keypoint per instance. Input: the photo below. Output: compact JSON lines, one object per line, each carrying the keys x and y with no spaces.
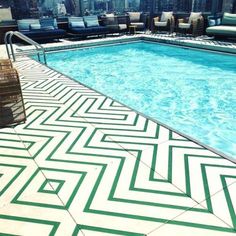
{"x":86,"y":26}
{"x":227,"y":27}
{"x":40,"y":29}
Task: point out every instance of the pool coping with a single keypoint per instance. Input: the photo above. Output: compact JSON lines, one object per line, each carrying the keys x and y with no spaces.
{"x":117,"y":42}
{"x":181,"y":42}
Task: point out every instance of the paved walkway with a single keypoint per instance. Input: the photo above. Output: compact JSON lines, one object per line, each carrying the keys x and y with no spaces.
{"x":84,"y":164}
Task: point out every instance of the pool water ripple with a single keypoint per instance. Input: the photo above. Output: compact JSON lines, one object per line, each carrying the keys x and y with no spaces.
{"x":191,"y":91}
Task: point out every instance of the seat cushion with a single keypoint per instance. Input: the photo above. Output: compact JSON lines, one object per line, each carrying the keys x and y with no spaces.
{"x":44,"y":33}
{"x":161,"y":24}
{"x":194,"y":16}
{"x":76,"y":22}
{"x":184,"y":25}
{"x":134,"y":16}
{"x":91,"y":21}
{"x":5,"y":14}
{"x":222,"y":30}
{"x":48,"y":23}
{"x":165,"y":16}
{"x":24,"y":24}
{"x":229,"y":19}
{"x":140,"y":25}
{"x":35,"y":26}
{"x":90,"y":30}
{"x":110,"y":19}
{"x":122,"y":26}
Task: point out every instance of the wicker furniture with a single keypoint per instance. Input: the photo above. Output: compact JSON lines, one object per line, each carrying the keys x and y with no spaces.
{"x":194,"y":24}
{"x":12,"y":109}
{"x":164,"y":23}
{"x":5,"y":64}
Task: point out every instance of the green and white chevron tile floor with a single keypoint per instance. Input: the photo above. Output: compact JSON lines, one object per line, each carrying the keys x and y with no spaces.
{"x":84,"y":164}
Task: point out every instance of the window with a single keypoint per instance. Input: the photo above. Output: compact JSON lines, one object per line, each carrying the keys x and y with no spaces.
{"x":202,"y":5}
{"x":169,"y":5}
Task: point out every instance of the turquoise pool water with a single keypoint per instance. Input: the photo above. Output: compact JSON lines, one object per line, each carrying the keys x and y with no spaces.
{"x":192,"y":91}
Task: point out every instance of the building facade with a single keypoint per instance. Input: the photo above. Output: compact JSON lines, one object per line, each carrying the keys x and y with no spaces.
{"x":36,"y":8}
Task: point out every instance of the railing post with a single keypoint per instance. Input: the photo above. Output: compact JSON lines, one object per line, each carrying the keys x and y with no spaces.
{"x":44,"y":56}
{"x":12,"y":50}
{"x":6,"y":44}
{"x":8,"y":40}
{"x":38,"y":56}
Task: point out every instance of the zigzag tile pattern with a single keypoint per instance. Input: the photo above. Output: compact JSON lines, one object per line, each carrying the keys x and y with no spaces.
{"x":84,"y":164}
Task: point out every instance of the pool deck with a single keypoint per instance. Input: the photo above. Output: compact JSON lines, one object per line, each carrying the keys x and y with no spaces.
{"x":84,"y":164}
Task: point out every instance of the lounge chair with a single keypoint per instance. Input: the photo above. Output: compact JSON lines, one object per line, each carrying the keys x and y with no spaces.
{"x":40,"y":29}
{"x":12,"y":109}
{"x":86,"y":26}
{"x":224,"y":28}
{"x":137,"y":19}
{"x":194,"y":24}
{"x":166,"y":22}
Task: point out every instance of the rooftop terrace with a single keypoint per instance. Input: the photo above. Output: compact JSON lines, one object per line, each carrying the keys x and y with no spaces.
{"x":84,"y":164}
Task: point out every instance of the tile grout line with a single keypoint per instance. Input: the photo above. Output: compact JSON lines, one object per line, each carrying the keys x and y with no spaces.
{"x":140,"y":161}
{"x":200,"y":203}
{"x":116,"y":142}
{"x":33,"y":160}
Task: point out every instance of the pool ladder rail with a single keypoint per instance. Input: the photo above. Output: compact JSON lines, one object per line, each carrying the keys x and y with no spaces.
{"x":39,"y":49}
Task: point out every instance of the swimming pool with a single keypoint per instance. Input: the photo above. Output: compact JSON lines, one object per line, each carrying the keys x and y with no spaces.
{"x":189,"y":90}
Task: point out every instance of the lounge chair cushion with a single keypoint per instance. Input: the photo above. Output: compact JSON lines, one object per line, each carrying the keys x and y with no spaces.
{"x":90,"y":30}
{"x":122,"y":26}
{"x":5,"y":14}
{"x":110,"y":15}
{"x":218,"y":21}
{"x":76,"y":22}
{"x":48,"y":23}
{"x":91,"y":21}
{"x":224,"y":30}
{"x":229,"y":19}
{"x":165,"y":16}
{"x":110,"y":19}
{"x":194,"y":16}
{"x":134,"y":16}
{"x":184,"y":25}
{"x":161,"y":24}
{"x":211,"y":22}
{"x":140,"y":25}
{"x":44,"y":34}
{"x":24,"y":24}
{"x":35,"y":26}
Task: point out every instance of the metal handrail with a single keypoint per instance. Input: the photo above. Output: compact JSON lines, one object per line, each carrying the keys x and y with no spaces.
{"x":8,"y":41}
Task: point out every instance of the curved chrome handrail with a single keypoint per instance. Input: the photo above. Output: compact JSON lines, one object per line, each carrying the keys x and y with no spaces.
{"x":8,"y":41}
